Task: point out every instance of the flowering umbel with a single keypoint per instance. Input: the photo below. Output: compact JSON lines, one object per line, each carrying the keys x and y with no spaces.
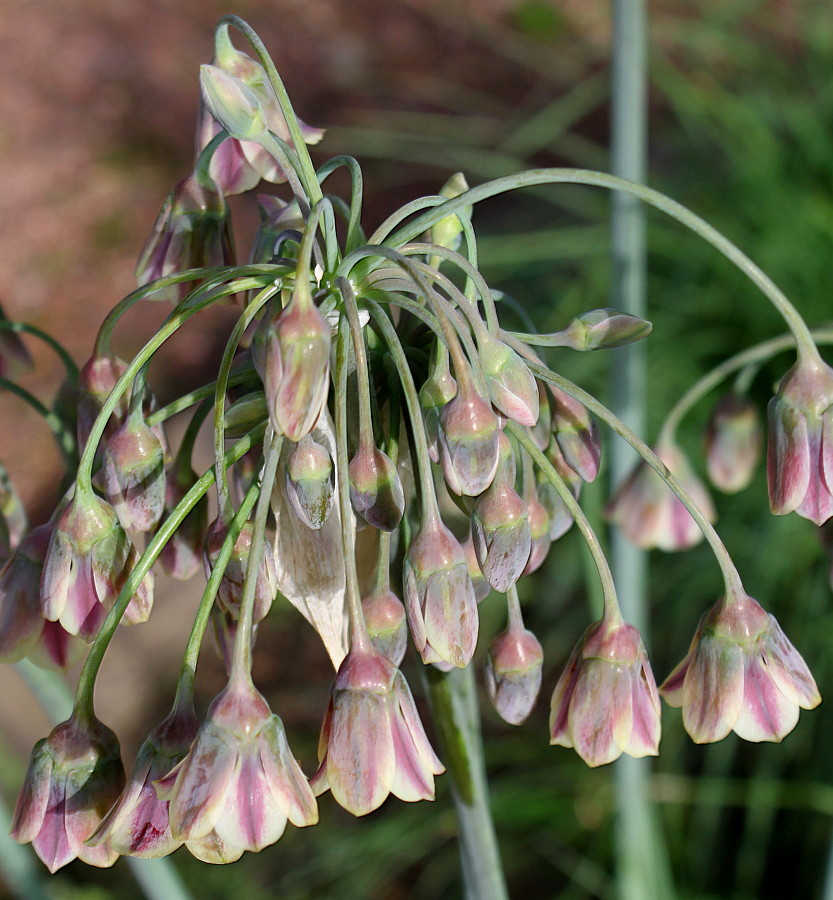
{"x":741,"y":674}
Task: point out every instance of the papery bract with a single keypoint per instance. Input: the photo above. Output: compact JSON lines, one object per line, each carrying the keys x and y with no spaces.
{"x":239,"y":784}
{"x":606,"y":701}
{"x":650,"y":514}
{"x":800,"y":445}
{"x":372,"y":740}
{"x":741,"y":674}
{"x":75,"y":775}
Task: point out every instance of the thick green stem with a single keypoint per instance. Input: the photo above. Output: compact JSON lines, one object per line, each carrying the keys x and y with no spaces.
{"x":457,"y":720}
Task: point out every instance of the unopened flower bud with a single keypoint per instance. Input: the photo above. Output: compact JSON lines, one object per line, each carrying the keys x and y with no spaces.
{"x":541,"y":431}
{"x":800,"y":446}
{"x":513,"y":673}
{"x":309,"y":482}
{"x":134,"y":474}
{"x":606,"y":701}
{"x":230,"y":591}
{"x":232,"y":103}
{"x":468,"y":439}
{"x":448,"y":230}
{"x":500,"y":526}
{"x":182,"y":554}
{"x":293,"y":354}
{"x":512,"y":387}
{"x":439,"y":597}
{"x":96,"y":380}
{"x":539,"y":531}
{"x":733,"y":443}
{"x":741,"y":674}
{"x":603,"y":329}
{"x":192,"y":230}
{"x":384,"y":616}
{"x":376,"y":489}
{"x":439,"y":389}
{"x":75,"y":776}
{"x":650,"y":514}
{"x":576,"y":434}
{"x":245,"y":414}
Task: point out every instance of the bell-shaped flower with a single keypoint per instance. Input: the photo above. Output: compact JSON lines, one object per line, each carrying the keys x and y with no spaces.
{"x":291,"y":351}
{"x":376,"y":491}
{"x":245,"y":103}
{"x":650,"y":514}
{"x":21,"y":619}
{"x":134,"y":473}
{"x":468,"y":442}
{"x":514,"y":667}
{"x":606,"y":701}
{"x":309,"y":482}
{"x":540,"y":526}
{"x":75,"y":775}
{"x":239,"y":784}
{"x":57,"y":649}
{"x":278,"y":220}
{"x":88,"y":561}
{"x":192,"y":230}
{"x":500,"y":526}
{"x":384,"y":616}
{"x":230,"y":591}
{"x":512,"y":387}
{"x":576,"y":434}
{"x":800,"y":446}
{"x":732,"y":442}
{"x":138,"y":824}
{"x":181,"y":557}
{"x":372,"y":740}
{"x":741,"y":674}
{"x":439,"y":597}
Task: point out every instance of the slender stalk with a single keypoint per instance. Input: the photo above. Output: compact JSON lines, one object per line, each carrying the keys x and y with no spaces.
{"x":64,"y":438}
{"x":26,"y":328}
{"x":457,"y":719}
{"x":806,"y":348}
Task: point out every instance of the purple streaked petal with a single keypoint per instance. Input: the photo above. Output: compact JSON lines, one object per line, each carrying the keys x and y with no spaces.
{"x":600,"y":714}
{"x":787,"y":668}
{"x":766,"y":714}
{"x":284,"y":778}
{"x":713,"y":690}
{"x":788,"y":457}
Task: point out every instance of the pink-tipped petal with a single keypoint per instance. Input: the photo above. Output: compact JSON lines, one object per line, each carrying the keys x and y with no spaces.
{"x":766,"y":713}
{"x":788,"y":457}
{"x":713,"y":691}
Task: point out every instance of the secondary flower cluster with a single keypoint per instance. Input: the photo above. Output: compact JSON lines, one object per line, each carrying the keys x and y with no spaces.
{"x":378,"y":435}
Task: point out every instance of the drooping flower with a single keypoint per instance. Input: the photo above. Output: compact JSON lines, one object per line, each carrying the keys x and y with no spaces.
{"x":576,"y":434}
{"x":88,"y":561}
{"x":512,"y":387}
{"x":741,"y":674}
{"x":75,"y":775}
{"x":514,"y":667}
{"x":291,"y":351}
{"x":606,"y":701}
{"x":192,"y":230}
{"x":238,"y":165}
{"x":309,"y":482}
{"x":372,"y":740}
{"x":138,"y":824}
{"x":650,"y":514}
{"x":439,"y":597}
{"x":239,"y":784}
{"x":376,"y":491}
{"x":800,"y":446}
{"x":733,"y":442}
{"x":468,"y":441}
{"x":21,"y":619}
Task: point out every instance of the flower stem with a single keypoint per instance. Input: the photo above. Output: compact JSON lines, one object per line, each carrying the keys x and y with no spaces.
{"x":457,"y":719}
{"x":26,"y":328}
